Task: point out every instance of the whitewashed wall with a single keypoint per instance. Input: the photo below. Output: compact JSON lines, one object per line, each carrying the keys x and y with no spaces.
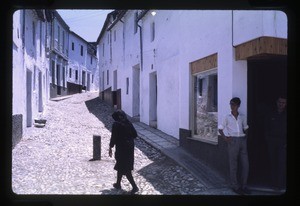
{"x":181,"y":38}
{"x":104,"y":60}
{"x":19,"y":74}
{"x":184,"y":36}
{"x":131,"y":60}
{"x":199,"y":34}
{"x":248,"y":25}
{"x":92,"y":69}
{"x":162,"y":56}
{"x":117,"y":47}
{"x":210,"y":33}
{"x":33,"y":59}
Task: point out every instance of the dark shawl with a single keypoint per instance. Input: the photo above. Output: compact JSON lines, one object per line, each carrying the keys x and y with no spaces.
{"x":122,"y":136}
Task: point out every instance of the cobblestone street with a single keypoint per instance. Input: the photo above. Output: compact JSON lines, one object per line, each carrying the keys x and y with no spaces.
{"x":55,"y":159}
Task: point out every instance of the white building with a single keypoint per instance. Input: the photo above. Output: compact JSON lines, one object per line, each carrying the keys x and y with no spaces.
{"x":82,"y":72}
{"x":92,"y":78}
{"x":178,"y":69}
{"x":30,"y":65}
{"x":58,"y":55}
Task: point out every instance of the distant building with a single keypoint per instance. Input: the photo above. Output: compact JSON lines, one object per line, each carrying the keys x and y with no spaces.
{"x":82,"y":65}
{"x":177,"y":70}
{"x":92,"y":78}
{"x":45,"y":64}
{"x":59,"y":55}
{"x":111,"y":59}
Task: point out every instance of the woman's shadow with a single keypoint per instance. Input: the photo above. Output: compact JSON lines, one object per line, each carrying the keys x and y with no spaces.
{"x":114,"y":191}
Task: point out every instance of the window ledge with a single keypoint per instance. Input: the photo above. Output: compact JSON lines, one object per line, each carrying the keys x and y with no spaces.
{"x":203,"y":140}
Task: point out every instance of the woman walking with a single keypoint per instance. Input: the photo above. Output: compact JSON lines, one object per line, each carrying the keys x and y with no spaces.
{"x":122,"y":136}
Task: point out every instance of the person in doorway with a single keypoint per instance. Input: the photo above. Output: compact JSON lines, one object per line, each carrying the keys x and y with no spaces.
{"x":122,"y":136}
{"x":234,"y":131}
{"x":275,"y":134}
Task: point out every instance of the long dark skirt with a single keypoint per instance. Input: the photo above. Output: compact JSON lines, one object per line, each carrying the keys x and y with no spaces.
{"x":124,"y":156}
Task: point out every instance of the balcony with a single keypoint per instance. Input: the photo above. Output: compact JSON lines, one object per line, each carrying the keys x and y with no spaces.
{"x":58,"y":48}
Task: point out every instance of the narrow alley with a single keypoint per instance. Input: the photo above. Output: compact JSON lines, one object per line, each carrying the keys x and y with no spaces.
{"x":55,"y":159}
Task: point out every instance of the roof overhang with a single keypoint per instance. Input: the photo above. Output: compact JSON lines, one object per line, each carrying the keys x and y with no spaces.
{"x":260,"y":47}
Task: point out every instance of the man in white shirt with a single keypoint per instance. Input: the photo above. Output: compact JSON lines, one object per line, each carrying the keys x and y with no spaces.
{"x":234,"y":131}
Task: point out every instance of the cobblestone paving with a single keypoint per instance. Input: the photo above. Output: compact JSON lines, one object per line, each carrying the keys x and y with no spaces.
{"x":55,"y":159}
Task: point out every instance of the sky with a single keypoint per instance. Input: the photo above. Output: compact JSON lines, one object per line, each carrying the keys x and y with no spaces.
{"x":85,"y":23}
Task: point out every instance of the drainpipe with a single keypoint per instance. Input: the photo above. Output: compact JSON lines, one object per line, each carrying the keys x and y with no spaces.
{"x":232,"y":28}
{"x":23,"y":31}
{"x":142,"y":14}
{"x":24,"y":121}
{"x":123,"y":35}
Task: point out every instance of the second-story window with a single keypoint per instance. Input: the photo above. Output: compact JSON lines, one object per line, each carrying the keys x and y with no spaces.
{"x":103,"y":49}
{"x":33,"y":33}
{"x":58,"y":35}
{"x":152,"y":30}
{"x":76,"y":74}
{"x":135,"y":22}
{"x":40,"y":38}
{"x":81,"y":50}
{"x":115,"y":35}
{"x":91,"y":60}
{"x":70,"y":72}
{"x":72,"y":46}
{"x":63,"y":41}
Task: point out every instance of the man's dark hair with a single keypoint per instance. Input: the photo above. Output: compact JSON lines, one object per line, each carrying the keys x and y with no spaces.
{"x":236,"y":100}
{"x":282,"y":96}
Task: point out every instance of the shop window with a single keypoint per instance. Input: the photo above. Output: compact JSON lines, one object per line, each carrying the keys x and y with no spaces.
{"x":206,"y":105}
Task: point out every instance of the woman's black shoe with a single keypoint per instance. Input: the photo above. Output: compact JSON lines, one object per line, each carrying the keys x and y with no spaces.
{"x":246,"y":191}
{"x":134,"y":190}
{"x":117,"y":186}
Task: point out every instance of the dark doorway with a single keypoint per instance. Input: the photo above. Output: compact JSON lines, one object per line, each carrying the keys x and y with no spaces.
{"x":28,"y":98}
{"x":267,"y":78}
{"x":58,"y":79}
